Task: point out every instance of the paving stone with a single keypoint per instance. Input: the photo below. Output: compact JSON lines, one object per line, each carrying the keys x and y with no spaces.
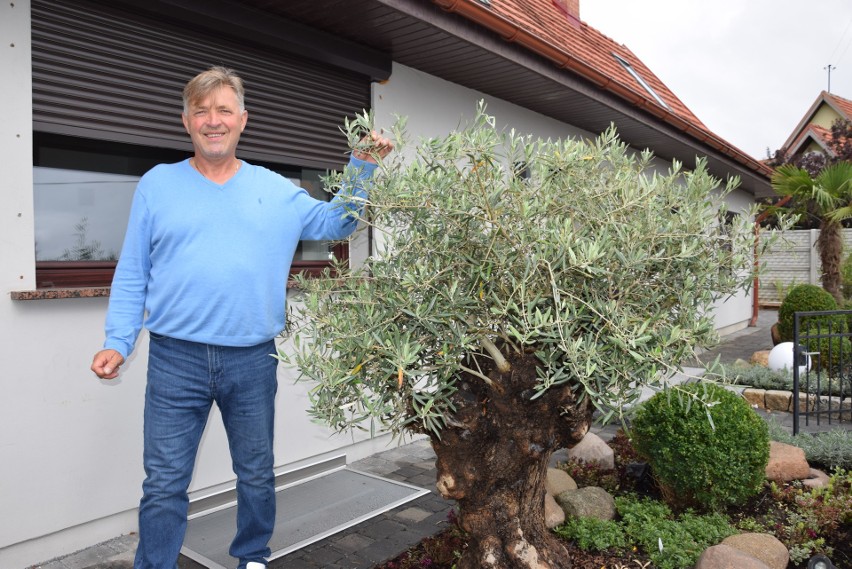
{"x":353,"y":542}
{"x":382,"y":528}
{"x":426,"y":480}
{"x":324,"y":556}
{"x":391,"y":546}
{"x":412,"y":515}
{"x":408,"y":471}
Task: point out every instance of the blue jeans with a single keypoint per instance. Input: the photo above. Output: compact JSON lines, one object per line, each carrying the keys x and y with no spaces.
{"x":184,"y":379}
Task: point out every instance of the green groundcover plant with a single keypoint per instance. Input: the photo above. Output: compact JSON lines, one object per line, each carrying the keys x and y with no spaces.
{"x":672,"y":542}
{"x":761,"y":377}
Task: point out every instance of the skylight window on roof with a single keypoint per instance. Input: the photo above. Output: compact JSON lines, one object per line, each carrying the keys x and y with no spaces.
{"x":635,"y":74}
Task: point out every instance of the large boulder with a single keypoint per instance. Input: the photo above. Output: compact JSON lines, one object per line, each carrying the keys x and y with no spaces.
{"x":726,"y":557}
{"x":816,"y":479}
{"x":593,"y":449}
{"x":553,"y":514}
{"x":762,"y":546}
{"x":558,"y":481}
{"x":760,"y":358}
{"x":786,"y":463}
{"x":588,"y":502}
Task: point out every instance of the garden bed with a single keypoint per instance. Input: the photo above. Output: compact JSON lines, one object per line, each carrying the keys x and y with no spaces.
{"x":805,"y":522}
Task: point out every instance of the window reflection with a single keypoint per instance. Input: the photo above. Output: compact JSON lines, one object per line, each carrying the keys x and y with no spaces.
{"x":80,"y":216}
{"x":311,"y":181}
{"x":83,"y":190}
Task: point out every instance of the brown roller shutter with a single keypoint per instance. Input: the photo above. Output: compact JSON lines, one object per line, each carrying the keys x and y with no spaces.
{"x":103,"y":73}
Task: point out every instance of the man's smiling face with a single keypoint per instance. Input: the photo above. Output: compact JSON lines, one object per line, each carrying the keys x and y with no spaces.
{"x":215,"y":123}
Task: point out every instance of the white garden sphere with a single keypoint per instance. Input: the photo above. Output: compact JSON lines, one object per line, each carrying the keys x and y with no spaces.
{"x":781,"y":358}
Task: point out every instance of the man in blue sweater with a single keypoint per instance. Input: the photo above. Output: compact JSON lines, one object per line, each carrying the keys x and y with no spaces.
{"x":207,"y":255}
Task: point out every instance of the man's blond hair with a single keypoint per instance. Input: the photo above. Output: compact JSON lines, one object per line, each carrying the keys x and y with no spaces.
{"x":208,"y":81}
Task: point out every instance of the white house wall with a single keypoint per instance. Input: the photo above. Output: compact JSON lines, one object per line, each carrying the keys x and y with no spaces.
{"x":732,"y":314}
{"x":71,"y":445}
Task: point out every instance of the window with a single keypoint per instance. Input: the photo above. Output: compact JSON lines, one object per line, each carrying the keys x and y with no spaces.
{"x":635,"y":74}
{"x":82,"y":194}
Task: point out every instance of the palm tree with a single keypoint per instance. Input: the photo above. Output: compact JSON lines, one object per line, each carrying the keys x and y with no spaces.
{"x":828,"y":198}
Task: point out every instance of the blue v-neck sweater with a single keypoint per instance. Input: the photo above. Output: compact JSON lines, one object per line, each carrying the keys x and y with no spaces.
{"x":209,"y":263}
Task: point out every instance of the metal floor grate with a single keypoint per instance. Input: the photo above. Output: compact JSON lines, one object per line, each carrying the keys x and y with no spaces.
{"x":307,"y":511}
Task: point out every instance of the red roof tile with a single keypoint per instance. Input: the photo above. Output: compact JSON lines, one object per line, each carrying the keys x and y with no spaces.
{"x":542,"y":27}
{"x":822,"y":135}
{"x":546,"y":21}
{"x":844,"y":106}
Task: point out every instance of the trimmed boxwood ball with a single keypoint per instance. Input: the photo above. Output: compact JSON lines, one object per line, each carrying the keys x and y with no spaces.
{"x":812,"y":298}
{"x":802,"y":298}
{"x":697,"y":463}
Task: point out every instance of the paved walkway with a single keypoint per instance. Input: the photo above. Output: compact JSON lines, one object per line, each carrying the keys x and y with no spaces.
{"x":383,"y":537}
{"x":742,"y":344}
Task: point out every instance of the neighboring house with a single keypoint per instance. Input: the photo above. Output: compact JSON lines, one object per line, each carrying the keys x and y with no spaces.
{"x":813,"y":133}
{"x":91,"y":100}
{"x":797,"y":262}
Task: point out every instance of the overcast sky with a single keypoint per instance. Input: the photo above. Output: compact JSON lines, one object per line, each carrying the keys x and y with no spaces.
{"x":749,"y":69}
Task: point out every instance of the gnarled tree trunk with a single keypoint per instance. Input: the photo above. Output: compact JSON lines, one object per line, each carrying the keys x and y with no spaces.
{"x":493,"y":461}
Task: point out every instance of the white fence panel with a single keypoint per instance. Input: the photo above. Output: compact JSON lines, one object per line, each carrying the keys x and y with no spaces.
{"x":792,"y":263}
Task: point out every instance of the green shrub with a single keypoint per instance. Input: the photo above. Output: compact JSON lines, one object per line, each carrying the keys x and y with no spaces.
{"x":802,"y":298}
{"x":707,"y":448}
{"x":670,"y":542}
{"x":846,"y":277}
{"x":811,"y":298}
{"x":847,"y":305}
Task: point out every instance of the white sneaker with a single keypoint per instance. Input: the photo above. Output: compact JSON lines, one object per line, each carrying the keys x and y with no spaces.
{"x":255,"y":565}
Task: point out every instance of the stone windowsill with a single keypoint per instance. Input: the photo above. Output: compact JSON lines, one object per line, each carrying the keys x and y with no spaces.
{"x":82,"y":292}
{"x":60,"y":293}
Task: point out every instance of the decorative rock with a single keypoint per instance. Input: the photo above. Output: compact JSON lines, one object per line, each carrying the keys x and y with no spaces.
{"x":777,"y":400}
{"x":593,"y":449}
{"x":755,"y":397}
{"x":838,"y":410}
{"x":761,"y":546}
{"x":816,"y":479}
{"x":588,"y":502}
{"x":786,"y":463}
{"x":726,"y":557}
{"x":558,"y":481}
{"x":807,"y":402}
{"x":553,"y":514}
{"x":760,"y":358}
{"x":775,"y":334}
{"x":845,"y":412}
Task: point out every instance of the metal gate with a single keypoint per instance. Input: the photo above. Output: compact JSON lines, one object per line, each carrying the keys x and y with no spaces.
{"x":822,"y":370}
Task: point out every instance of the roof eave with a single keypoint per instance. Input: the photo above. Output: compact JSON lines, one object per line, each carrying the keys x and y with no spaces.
{"x":481,"y":15}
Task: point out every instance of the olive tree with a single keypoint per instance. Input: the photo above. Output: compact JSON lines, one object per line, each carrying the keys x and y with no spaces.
{"x":519,"y":286}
